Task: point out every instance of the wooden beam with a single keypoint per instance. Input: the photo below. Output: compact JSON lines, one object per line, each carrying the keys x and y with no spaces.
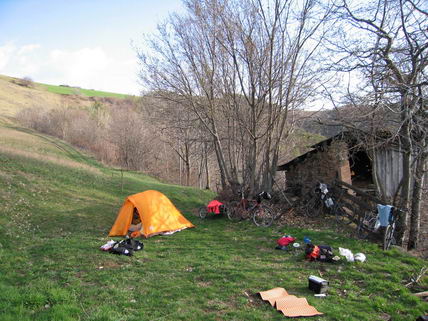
{"x":360,"y":192}
{"x":359,"y":202}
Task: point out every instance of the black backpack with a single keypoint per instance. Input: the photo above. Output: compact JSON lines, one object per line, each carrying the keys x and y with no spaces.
{"x":120,"y":249}
{"x":127,"y":247}
{"x":326,"y":253}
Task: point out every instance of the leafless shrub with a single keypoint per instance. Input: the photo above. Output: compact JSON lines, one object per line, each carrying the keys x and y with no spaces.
{"x":129,"y":134}
{"x":120,"y":135}
{"x":82,"y":130}
{"x":31,"y":118}
{"x":24,"y":82}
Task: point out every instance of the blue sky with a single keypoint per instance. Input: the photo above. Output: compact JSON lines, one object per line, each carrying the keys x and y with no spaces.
{"x":84,"y":43}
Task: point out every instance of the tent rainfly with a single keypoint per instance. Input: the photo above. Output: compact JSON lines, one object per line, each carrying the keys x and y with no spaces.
{"x":157,"y":214}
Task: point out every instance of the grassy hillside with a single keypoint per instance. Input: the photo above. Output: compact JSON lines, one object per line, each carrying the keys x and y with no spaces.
{"x":65,"y":90}
{"x":15,"y":97}
{"x":58,"y":206}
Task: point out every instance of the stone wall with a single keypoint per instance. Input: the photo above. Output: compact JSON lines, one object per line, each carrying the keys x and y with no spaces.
{"x":325,"y":166}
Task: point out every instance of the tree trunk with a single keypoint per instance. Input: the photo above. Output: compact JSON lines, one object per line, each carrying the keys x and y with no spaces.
{"x":221,"y":163}
{"x":415,"y":216}
{"x":207,"y":182}
{"x":403,"y":222}
{"x":252,"y":157}
{"x":187,"y":173}
{"x":187,"y":162}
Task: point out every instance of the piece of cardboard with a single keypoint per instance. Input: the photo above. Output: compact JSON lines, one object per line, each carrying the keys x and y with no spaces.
{"x":289,"y":305}
{"x":306,"y":311}
{"x":290,"y":301}
{"x":273,"y":294}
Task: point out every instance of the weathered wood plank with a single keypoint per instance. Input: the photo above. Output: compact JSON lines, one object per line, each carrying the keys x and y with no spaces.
{"x":360,"y":192}
{"x":356,"y":212}
{"x":366,"y":206}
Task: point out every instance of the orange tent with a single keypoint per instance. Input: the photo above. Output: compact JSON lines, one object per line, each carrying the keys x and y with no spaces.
{"x":157,"y":214}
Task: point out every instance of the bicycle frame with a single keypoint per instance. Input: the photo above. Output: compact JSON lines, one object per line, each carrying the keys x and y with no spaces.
{"x":246,"y":208}
{"x":247,"y":205}
{"x":388,"y":237}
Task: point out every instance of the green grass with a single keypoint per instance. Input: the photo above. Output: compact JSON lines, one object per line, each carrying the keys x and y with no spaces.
{"x":54,"y":217}
{"x":80,"y":91}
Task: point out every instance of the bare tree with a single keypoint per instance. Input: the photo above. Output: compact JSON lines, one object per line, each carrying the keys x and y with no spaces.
{"x":179,"y":129}
{"x":128,"y":132}
{"x":239,"y":67}
{"x":386,"y":43}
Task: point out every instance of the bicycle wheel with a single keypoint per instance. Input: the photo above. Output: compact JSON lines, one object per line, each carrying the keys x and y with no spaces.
{"x":340,"y":215}
{"x":362,"y":228}
{"x":313,"y":207}
{"x":225,"y":210}
{"x":362,"y":231}
{"x":203,"y":212}
{"x":388,"y":236}
{"x":262,"y":216}
{"x":234,"y":211}
{"x":366,"y":225}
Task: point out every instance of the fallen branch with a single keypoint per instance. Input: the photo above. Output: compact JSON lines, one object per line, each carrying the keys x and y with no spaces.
{"x":415,"y":279}
{"x":421,"y":294}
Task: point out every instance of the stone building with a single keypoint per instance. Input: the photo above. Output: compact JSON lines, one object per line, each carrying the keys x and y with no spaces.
{"x":342,"y":158}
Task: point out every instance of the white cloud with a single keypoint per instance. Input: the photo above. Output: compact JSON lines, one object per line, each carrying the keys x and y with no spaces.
{"x":27,"y":48}
{"x":6,"y":52}
{"x":17,"y":61}
{"x":91,"y":68}
{"x":81,"y":67}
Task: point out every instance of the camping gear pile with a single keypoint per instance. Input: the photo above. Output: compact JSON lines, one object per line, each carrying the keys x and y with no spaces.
{"x":289,"y":305}
{"x":322,"y":253}
{"x":313,"y":252}
{"x":124,"y":247}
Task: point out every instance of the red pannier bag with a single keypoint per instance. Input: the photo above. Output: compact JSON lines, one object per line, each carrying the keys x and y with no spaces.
{"x":214,"y":207}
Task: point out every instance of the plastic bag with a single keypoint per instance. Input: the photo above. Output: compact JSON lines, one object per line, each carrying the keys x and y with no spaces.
{"x":360,"y":257}
{"x":347,"y":254}
{"x":107,"y":246}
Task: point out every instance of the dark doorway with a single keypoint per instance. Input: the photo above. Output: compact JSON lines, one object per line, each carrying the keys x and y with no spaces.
{"x":361,"y":169}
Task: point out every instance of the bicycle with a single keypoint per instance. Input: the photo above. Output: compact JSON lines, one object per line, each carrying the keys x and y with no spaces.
{"x":370,"y":224}
{"x":389,"y":235}
{"x":367,"y":225}
{"x":313,"y":206}
{"x":254,"y":209}
{"x":322,"y":200}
